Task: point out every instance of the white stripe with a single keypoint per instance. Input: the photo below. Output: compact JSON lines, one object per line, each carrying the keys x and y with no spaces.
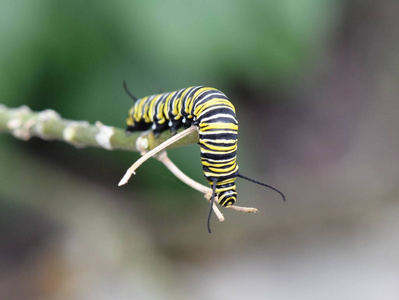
{"x":216,"y":116}
{"x":218,"y":152}
{"x":221,"y":141}
{"x":215,"y":132}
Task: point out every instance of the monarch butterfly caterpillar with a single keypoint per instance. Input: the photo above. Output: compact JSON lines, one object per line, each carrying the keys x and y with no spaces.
{"x":214,"y":115}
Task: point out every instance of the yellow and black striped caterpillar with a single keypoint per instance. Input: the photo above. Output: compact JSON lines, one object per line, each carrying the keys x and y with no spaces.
{"x":211,"y":111}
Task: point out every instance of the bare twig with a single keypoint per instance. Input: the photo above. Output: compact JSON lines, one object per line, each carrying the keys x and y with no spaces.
{"x":163,"y":157}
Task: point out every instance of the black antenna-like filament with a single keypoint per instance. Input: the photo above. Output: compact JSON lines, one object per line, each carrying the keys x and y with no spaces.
{"x":261,"y":183}
{"x":128,"y":92}
{"x":210,"y":209}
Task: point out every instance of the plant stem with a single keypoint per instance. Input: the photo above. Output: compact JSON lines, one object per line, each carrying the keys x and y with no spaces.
{"x":24,"y":124}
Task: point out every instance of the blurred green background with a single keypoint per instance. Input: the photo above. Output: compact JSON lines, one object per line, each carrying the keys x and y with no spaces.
{"x":315,"y":84}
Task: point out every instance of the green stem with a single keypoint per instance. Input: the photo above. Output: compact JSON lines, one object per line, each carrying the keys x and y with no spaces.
{"x":23,"y":124}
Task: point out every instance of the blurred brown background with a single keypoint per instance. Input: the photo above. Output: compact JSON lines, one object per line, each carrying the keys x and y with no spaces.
{"x":315,"y":84}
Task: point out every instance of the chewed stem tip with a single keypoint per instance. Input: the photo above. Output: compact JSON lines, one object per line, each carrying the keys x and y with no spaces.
{"x":126,"y":177}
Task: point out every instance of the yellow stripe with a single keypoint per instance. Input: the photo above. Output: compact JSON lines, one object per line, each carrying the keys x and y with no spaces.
{"x":189,"y":105}
{"x":224,"y":170}
{"x":151,"y":110}
{"x":182,"y":99}
{"x":219,"y":148}
{"x":203,"y":89}
{"x":138,"y":109}
{"x":160,"y":116}
{"x":207,"y":164}
{"x":207,"y":126}
{"x":209,"y":174}
{"x":166,"y":104}
{"x":227,"y":181}
{"x":216,"y":152}
{"x":129,"y":119}
{"x":213,"y":104}
{"x":175,"y":110}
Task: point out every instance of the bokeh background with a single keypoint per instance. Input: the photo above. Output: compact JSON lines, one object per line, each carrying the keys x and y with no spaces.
{"x":315,"y":84}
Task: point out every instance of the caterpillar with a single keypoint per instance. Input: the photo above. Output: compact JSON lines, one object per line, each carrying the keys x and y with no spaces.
{"x":211,"y":111}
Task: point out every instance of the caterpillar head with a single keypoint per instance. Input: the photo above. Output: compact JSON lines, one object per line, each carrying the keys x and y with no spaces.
{"x":227,"y":198}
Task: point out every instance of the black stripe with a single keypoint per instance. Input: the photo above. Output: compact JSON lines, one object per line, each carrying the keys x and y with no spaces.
{"x":221,"y":178}
{"x":206,"y":155}
{"x":217,"y":110}
{"x":218,"y":136}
